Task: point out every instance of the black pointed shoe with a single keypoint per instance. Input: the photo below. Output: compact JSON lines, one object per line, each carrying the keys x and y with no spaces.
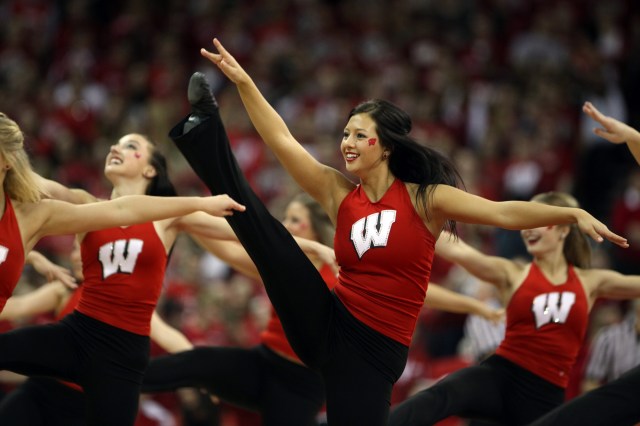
{"x":203,"y":104}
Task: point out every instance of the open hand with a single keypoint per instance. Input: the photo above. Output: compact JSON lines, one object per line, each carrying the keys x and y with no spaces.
{"x":599,"y":231}
{"x":612,"y":130}
{"x":227,"y":63}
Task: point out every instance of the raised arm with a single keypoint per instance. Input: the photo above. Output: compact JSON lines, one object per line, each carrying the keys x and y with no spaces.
{"x":55,"y":190}
{"x":491,"y":269}
{"x":52,"y":217}
{"x":42,"y":300}
{"x":614,"y":130}
{"x":452,"y":203}
{"x":444,"y":299}
{"x":167,"y":337}
{"x":322,"y":182}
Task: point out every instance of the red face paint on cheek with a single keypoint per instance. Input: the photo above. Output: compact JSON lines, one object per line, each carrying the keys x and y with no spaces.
{"x":137,"y":155}
{"x":372,"y":141}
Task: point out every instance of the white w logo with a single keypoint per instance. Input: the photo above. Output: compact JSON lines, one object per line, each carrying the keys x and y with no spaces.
{"x":552,"y":307}
{"x":119,"y":256}
{"x":372,"y":231}
{"x":3,"y":254}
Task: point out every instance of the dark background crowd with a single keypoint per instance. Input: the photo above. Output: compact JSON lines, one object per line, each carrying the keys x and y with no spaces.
{"x":497,"y":85}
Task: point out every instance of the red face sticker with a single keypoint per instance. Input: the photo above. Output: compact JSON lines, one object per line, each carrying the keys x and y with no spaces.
{"x":372,"y":141}
{"x":137,"y":155}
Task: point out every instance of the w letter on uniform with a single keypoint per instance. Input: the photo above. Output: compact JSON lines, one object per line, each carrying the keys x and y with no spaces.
{"x":119,"y":256}
{"x":372,"y":231}
{"x":3,"y":254}
{"x":552,"y":307}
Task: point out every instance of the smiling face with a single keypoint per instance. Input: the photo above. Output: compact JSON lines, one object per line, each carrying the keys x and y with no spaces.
{"x":544,"y":240}
{"x":297,"y":220}
{"x":130,"y":157}
{"x":361,"y":147}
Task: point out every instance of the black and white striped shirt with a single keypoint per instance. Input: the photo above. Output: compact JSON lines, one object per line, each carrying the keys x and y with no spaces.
{"x":615,"y":350}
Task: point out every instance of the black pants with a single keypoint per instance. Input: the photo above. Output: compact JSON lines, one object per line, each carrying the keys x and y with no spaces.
{"x":496,"y":390}
{"x":285,"y":393}
{"x":358,"y":365}
{"x":615,"y":403}
{"x":43,"y":402}
{"x":106,"y":361}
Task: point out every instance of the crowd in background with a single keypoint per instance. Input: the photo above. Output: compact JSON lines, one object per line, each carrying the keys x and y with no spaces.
{"x":496,"y":85}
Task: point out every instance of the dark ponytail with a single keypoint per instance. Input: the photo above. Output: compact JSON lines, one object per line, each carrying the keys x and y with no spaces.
{"x":160,"y":185}
{"x":408,"y":160}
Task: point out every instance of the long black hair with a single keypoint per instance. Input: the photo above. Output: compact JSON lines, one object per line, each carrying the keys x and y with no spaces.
{"x":408,"y":160}
{"x":160,"y":185}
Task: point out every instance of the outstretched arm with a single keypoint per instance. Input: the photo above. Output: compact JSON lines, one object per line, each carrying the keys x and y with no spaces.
{"x":42,"y":300}
{"x":59,"y":218}
{"x":613,"y":285}
{"x":50,"y":270}
{"x":453,"y":203}
{"x":323,"y":183}
{"x":491,"y":269}
{"x":614,"y":130}
{"x":167,"y":337}
{"x":55,"y":190}
{"x":444,"y":299}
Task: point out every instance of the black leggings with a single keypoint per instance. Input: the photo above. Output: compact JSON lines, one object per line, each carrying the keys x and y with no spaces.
{"x":285,"y":393}
{"x":615,"y":403}
{"x":106,"y":361}
{"x":496,"y":390}
{"x":358,"y":364}
{"x":42,"y":401}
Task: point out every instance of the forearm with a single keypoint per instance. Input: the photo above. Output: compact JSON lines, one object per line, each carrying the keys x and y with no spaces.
{"x":518,"y":215}
{"x":634,"y":146}
{"x":444,"y":299}
{"x":167,"y":337}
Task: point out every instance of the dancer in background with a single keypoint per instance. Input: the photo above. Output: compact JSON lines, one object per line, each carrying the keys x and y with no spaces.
{"x":104,"y":344}
{"x":615,"y":403}
{"x":26,"y":218}
{"x":548,"y":301}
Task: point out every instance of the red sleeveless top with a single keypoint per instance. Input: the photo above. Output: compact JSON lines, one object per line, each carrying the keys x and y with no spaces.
{"x":385,"y":254}
{"x":11,"y":252}
{"x":273,"y":335}
{"x":546,"y":325}
{"x":123,"y":276}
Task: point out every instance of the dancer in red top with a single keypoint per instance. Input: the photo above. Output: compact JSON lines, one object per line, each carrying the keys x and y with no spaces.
{"x":358,"y":356}
{"x":548,"y":302}
{"x":615,"y":403}
{"x":270,"y":378}
{"x":25,"y":218}
{"x":50,"y":402}
{"x":104,"y":345}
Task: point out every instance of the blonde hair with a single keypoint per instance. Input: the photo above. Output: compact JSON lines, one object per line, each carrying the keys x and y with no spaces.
{"x":576,"y":249}
{"x":19,"y":182}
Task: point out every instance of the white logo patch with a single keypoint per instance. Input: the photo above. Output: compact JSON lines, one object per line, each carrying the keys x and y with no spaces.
{"x":4,"y":252}
{"x":372,"y":231}
{"x":553,"y":307}
{"x":119,"y":256}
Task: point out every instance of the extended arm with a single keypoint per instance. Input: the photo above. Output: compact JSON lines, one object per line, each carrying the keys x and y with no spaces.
{"x":444,"y":299}
{"x":491,"y":269}
{"x":167,"y":337}
{"x":323,"y":183}
{"x":614,"y":130}
{"x":50,"y":270}
{"x":53,"y":189}
{"x":42,"y":300}
{"x":614,"y":285}
{"x":452,"y":203}
{"x":59,"y":218}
